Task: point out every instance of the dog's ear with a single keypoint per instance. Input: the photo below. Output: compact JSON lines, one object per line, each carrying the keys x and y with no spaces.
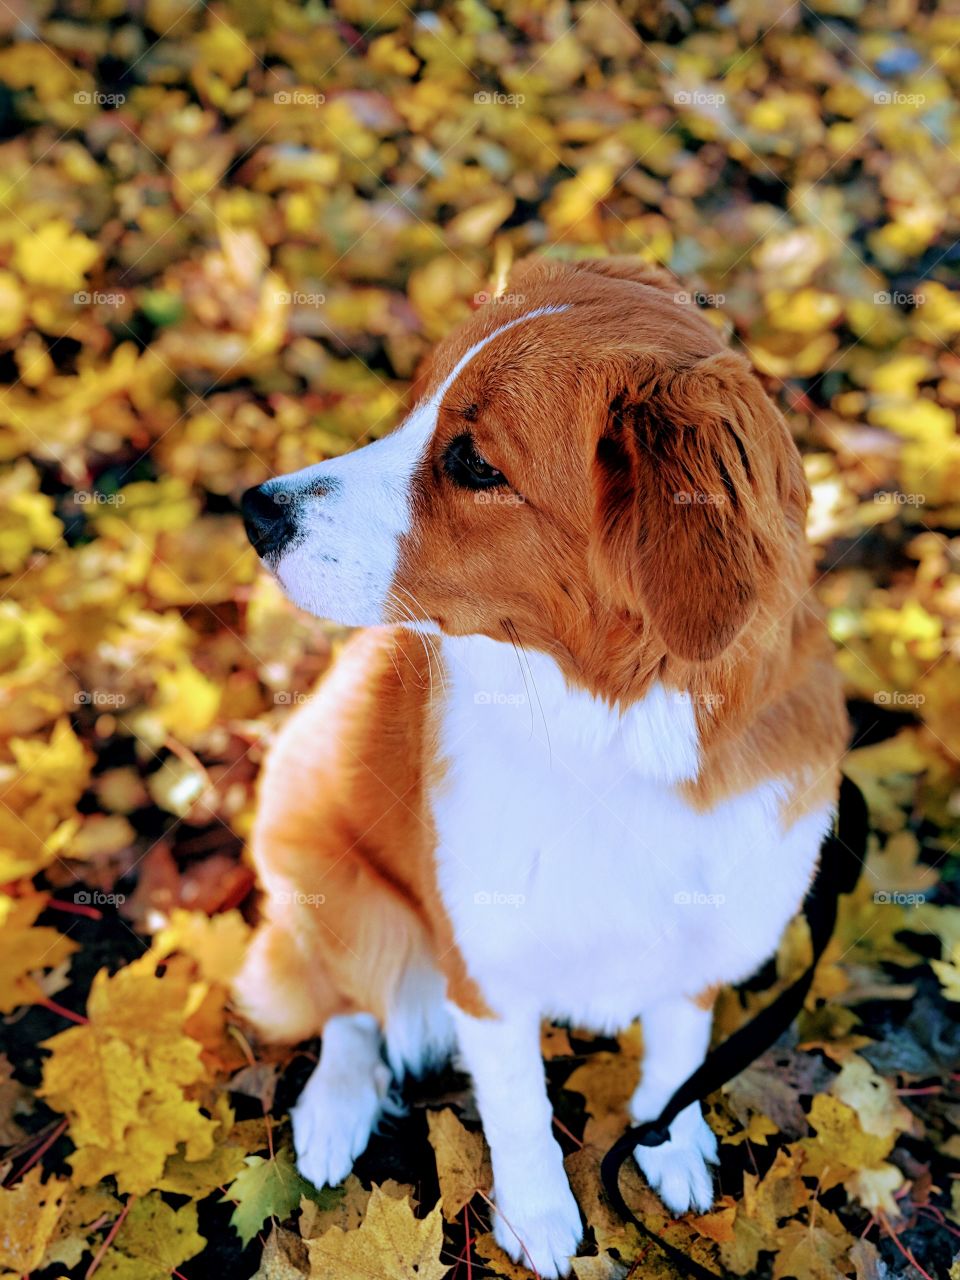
{"x":699,"y":491}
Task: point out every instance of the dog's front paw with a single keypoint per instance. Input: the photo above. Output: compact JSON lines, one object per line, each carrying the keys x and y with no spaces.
{"x":679,"y":1170}
{"x":332,"y":1123}
{"x":542,"y":1236}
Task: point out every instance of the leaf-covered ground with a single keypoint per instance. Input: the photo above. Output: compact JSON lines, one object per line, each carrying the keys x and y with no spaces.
{"x":227,"y":236}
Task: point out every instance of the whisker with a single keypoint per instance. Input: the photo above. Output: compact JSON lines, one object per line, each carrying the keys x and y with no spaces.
{"x":518,"y":649}
{"x":423,"y":639}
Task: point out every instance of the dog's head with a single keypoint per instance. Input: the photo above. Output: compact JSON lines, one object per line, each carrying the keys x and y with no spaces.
{"x":588,"y":450}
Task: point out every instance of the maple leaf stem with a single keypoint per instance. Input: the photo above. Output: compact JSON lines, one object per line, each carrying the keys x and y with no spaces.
{"x":109,"y":1238}
{"x":466,"y":1225}
{"x":187,"y":756}
{"x":244,"y":1044}
{"x":52,"y":1005}
{"x":74,"y":909}
{"x":937,"y":1215}
{"x":564,"y":1130}
{"x":882,"y":1218}
{"x":494,"y":1209}
{"x":38,"y":1154}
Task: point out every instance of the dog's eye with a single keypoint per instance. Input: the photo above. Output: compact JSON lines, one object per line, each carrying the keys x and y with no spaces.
{"x":465,"y":467}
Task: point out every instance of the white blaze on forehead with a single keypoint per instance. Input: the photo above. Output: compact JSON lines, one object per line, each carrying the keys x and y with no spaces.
{"x":344,"y":557}
{"x":478,"y":346}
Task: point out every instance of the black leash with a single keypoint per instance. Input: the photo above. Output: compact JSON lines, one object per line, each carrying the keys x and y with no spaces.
{"x":841,"y":857}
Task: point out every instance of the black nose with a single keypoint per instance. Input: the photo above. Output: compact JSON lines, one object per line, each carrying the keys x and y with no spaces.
{"x":268,"y":520}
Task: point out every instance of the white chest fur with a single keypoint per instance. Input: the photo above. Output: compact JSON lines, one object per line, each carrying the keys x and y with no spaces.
{"x":579,"y":882}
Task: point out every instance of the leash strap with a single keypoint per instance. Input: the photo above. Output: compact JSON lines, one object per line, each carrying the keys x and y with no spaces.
{"x":841,"y":857}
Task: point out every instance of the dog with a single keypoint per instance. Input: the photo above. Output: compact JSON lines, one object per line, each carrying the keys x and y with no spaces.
{"x":578,"y":764}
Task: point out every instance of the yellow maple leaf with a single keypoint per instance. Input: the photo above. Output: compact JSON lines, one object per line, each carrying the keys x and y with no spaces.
{"x":123,"y":1080}
{"x":217,"y":943}
{"x":842,"y":1151}
{"x":28,"y":1216}
{"x":55,"y":256}
{"x":350,"y":1208}
{"x":463,"y":1162}
{"x":27,"y":948}
{"x":391,"y":1244}
{"x":55,"y":772}
{"x":948,"y":971}
{"x":152,"y":1242}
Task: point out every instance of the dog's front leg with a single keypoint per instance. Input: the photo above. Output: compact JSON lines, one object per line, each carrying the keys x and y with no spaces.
{"x":537,"y":1221}
{"x":676,"y":1036}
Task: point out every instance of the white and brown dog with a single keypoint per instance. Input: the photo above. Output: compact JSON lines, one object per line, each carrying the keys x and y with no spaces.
{"x":581,"y":764}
